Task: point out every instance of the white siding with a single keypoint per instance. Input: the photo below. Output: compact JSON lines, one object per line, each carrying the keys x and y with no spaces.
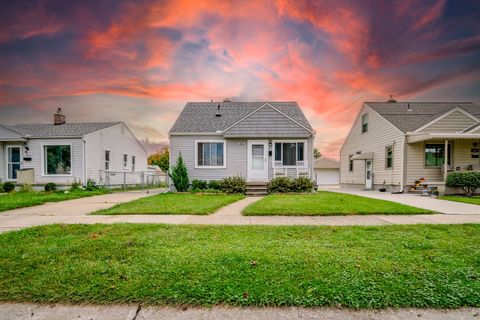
{"x":380,"y":134}
{"x":454,"y":122}
{"x":3,"y":165}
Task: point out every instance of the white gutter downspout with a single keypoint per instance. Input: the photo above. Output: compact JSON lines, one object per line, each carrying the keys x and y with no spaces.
{"x":404,"y":164}
{"x":84,"y":162}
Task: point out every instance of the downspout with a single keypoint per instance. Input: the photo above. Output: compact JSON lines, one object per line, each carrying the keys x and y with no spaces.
{"x":403,"y":168}
{"x":84,"y":162}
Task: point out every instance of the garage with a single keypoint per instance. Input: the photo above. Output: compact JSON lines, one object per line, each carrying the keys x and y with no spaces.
{"x":327,"y":171}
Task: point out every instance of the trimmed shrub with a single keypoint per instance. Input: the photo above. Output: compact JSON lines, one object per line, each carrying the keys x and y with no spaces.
{"x":233,"y":185}
{"x":8,"y":187}
{"x":179,"y":175}
{"x":280,"y":185}
{"x":75,"y":186}
{"x":468,"y":181}
{"x":91,"y":185}
{"x":214,"y":185}
{"x":199,"y":184}
{"x":302,"y":184}
{"x":26,"y":188}
{"x":51,"y":186}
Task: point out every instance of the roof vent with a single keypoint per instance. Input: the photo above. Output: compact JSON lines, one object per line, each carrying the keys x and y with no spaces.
{"x":227,"y":100}
{"x":408,"y":107}
{"x":392,"y":99}
{"x":59,"y":117}
{"x":218,"y":114}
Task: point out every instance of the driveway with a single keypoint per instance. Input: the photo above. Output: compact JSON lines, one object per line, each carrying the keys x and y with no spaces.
{"x":415,"y":200}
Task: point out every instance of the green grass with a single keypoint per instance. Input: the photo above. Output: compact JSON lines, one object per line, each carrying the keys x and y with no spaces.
{"x":17,"y":200}
{"x":471,"y":200}
{"x":360,"y":267}
{"x":174,"y":203}
{"x":325,"y":204}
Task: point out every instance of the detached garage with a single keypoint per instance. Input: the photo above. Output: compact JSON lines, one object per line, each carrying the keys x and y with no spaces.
{"x":327,"y":171}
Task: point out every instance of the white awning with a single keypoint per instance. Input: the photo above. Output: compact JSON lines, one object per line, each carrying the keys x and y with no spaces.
{"x":413,"y":138}
{"x":363,"y":156}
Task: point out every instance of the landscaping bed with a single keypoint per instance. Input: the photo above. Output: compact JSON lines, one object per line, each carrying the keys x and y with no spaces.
{"x":17,"y":200}
{"x":325,"y":203}
{"x":471,"y":200}
{"x":358,"y":267}
{"x":174,"y":203}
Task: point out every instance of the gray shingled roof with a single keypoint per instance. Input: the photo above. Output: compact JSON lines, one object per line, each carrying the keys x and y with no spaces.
{"x":63,"y":130}
{"x":420,"y":113}
{"x":200,"y":116}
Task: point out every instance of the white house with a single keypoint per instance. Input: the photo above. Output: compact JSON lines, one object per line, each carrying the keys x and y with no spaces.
{"x":327,"y":171}
{"x":64,"y":153}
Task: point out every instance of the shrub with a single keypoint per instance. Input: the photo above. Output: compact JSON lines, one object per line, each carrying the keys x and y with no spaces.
{"x":8,"y":187}
{"x":302,"y":184}
{"x":91,"y":185}
{"x":233,"y":185}
{"x":179,"y":175}
{"x":75,"y":186}
{"x":199,"y":184}
{"x":214,"y":185}
{"x":280,"y":185}
{"x":1,"y":187}
{"x":51,"y":186}
{"x":26,"y":188}
{"x":468,"y":181}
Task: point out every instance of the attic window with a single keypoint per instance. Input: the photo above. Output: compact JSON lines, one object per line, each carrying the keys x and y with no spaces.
{"x":365,"y":123}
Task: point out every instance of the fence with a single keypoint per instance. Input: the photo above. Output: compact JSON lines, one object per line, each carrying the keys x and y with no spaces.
{"x":132,"y":179}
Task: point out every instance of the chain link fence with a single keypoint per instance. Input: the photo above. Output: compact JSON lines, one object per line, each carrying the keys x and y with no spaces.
{"x":132,"y":179}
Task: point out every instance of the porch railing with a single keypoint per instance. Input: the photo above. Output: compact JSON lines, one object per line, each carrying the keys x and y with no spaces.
{"x":301,"y":169}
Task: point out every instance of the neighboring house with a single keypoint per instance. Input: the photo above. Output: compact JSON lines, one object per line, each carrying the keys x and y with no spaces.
{"x":395,"y":144}
{"x":254,"y":140}
{"x":64,"y":153}
{"x":327,"y":171}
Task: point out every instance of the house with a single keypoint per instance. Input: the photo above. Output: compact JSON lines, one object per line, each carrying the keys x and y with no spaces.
{"x":254,"y":140}
{"x":327,"y":171}
{"x":64,"y":153}
{"x":396,"y":145}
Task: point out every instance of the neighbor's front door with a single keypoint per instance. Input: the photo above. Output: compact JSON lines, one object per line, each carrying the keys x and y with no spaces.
{"x":257,"y":160}
{"x":13,"y":162}
{"x":368,"y":174}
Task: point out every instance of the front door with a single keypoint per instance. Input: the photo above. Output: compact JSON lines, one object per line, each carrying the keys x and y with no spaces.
{"x":368,"y":174}
{"x":257,"y":160}
{"x":13,"y":162}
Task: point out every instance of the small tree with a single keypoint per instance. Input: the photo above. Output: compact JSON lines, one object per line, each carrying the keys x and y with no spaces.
{"x":468,"y":181}
{"x":179,"y":175}
{"x":161,"y":159}
{"x":316,"y":153}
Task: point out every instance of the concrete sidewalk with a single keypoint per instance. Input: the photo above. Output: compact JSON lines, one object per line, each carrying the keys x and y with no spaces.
{"x":17,"y":311}
{"x":414,"y":200}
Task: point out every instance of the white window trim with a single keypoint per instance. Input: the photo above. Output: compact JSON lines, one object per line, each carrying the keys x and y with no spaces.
{"x":125,"y":163}
{"x":281,"y":155}
{"x":105,"y":159}
{"x":393,"y":156}
{"x":42,"y":160}
{"x":366,"y":116}
{"x":133,"y":163}
{"x":6,"y":159}
{"x":211,"y":141}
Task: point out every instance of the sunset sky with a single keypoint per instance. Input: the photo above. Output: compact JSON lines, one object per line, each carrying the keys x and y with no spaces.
{"x":141,"y":61}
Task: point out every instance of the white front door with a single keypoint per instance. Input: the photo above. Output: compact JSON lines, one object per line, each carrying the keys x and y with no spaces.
{"x":257,"y":160}
{"x":368,"y":174}
{"x":13,"y":161}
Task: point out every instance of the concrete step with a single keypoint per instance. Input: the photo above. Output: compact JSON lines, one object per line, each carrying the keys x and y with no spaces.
{"x":257,"y":193}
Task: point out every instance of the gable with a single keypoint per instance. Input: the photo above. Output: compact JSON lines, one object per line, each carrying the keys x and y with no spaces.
{"x":456,"y":121}
{"x":267,"y":122}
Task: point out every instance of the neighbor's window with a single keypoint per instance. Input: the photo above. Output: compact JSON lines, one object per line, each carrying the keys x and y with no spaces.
{"x":389,"y":157}
{"x":125,"y":161}
{"x":289,"y":152}
{"x":107,"y":160}
{"x":435,"y":155}
{"x":365,"y":123}
{"x":133,"y":163}
{"x":210,"y":154}
{"x":350,"y":163}
{"x":58,"y":159}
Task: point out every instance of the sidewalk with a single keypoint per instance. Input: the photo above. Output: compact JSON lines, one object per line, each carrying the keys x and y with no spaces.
{"x":17,"y":311}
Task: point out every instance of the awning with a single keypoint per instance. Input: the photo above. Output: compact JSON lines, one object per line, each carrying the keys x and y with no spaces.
{"x":413,"y":138}
{"x":363,"y":156}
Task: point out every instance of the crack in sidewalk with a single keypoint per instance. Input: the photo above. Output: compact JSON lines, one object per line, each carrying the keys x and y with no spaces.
{"x":137,"y":312}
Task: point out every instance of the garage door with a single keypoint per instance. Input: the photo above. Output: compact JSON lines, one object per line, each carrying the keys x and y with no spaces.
{"x":327,"y":176}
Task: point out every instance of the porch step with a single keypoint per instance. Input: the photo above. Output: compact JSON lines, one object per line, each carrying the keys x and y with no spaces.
{"x":256,"y":188}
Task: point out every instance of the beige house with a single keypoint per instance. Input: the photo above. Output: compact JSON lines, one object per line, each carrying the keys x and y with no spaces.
{"x":397,"y":144}
{"x":327,"y":171}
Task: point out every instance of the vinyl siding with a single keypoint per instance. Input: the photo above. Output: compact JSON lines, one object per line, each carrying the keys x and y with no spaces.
{"x":267,"y":123}
{"x":454,"y":122}
{"x":3,"y":165}
{"x":380,"y":134}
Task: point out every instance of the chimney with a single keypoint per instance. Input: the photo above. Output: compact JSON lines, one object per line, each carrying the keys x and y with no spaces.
{"x":59,"y":117}
{"x":392,"y":99}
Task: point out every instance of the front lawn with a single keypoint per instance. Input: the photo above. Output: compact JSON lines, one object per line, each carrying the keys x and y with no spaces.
{"x":359,"y":267}
{"x":325,"y":203}
{"x":174,"y":203}
{"x":471,"y":200}
{"x":17,"y":200}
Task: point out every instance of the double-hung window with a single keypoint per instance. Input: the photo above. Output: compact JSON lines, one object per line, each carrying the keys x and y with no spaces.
{"x":57,"y":159}
{"x":435,"y":154}
{"x":210,"y":154}
{"x":107,"y":160}
{"x":133,"y":163}
{"x":289,"y":153}
{"x":389,"y":157}
{"x":125,"y":161}
{"x":365,"y":123}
